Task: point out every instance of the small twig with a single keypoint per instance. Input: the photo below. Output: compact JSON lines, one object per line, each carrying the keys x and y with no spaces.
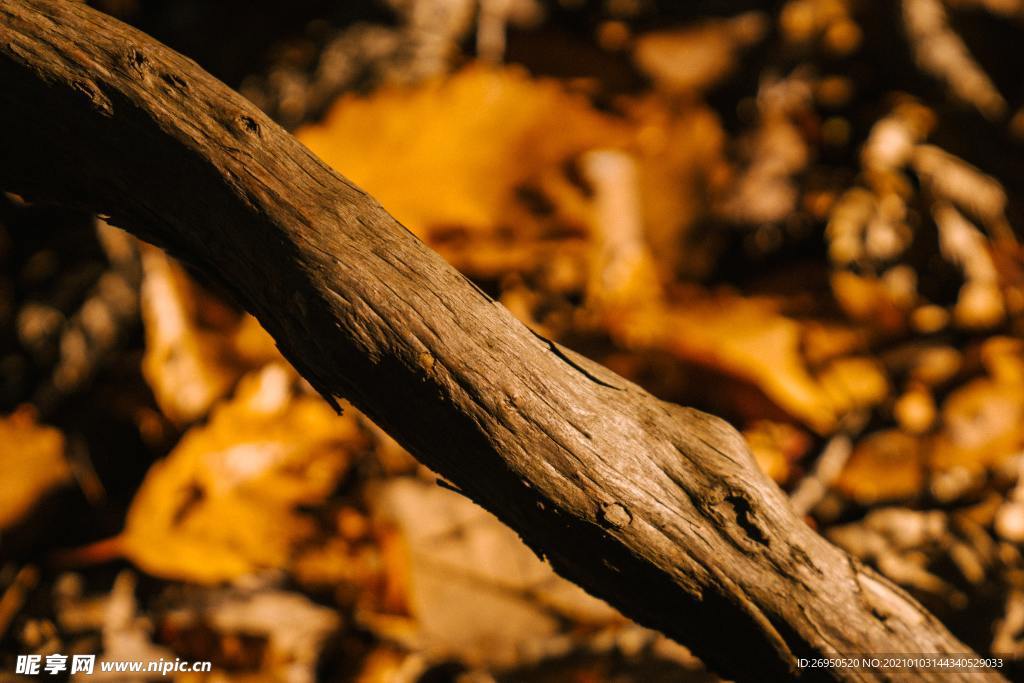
{"x":810,"y":490}
{"x":16,"y":595}
{"x":1007,"y":641}
{"x":89,"y":482}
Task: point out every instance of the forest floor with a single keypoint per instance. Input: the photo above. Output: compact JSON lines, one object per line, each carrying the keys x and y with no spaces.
{"x":804,"y":219}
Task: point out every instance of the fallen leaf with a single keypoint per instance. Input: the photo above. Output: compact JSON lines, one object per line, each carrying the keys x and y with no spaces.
{"x":223,"y":503}
{"x":196,"y":348}
{"x":776,"y":446}
{"x":884,"y":304}
{"x":884,"y":466}
{"x":745,"y":337}
{"x":454,"y":151}
{"x":32,"y":462}
{"x":287,"y":633}
{"x":983,"y":423}
{"x":474,"y":591}
{"x":854,"y":382}
{"x":481,"y":165}
{"x":695,"y":57}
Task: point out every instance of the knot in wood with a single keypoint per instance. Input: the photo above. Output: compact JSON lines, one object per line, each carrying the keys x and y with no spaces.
{"x":175,"y":81}
{"x":249,"y":125}
{"x":614,"y":515}
{"x":136,"y":60}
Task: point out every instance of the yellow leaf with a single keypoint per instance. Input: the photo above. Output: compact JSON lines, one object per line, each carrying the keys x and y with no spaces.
{"x":884,"y":466}
{"x":883,"y":303}
{"x":775,"y":446}
{"x":32,"y":462}
{"x":696,"y":57}
{"x":983,"y":423}
{"x":476,"y":164}
{"x":854,"y":382}
{"x":223,"y":502}
{"x":452,"y":152}
{"x":744,"y":337}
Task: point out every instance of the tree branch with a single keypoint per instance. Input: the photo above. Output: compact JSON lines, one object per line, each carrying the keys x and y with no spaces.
{"x":656,"y":508}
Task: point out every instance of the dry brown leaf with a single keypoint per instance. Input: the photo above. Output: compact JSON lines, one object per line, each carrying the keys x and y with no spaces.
{"x":474,"y":591}
{"x":622,"y":271}
{"x":183,"y":364}
{"x":278,"y":634}
{"x":223,"y":502}
{"x":32,"y":462}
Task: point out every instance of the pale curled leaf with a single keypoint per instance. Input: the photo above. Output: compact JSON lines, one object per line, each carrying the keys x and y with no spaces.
{"x":196,"y":348}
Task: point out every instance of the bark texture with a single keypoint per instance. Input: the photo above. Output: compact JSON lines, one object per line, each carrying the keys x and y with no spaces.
{"x":658,"y":509}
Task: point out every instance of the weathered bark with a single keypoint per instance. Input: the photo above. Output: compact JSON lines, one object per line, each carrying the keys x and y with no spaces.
{"x":656,"y":508}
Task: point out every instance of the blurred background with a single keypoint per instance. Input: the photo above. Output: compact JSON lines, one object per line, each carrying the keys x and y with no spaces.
{"x":801,"y":216}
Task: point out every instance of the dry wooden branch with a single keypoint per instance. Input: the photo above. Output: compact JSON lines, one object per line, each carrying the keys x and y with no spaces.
{"x":656,"y":508}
